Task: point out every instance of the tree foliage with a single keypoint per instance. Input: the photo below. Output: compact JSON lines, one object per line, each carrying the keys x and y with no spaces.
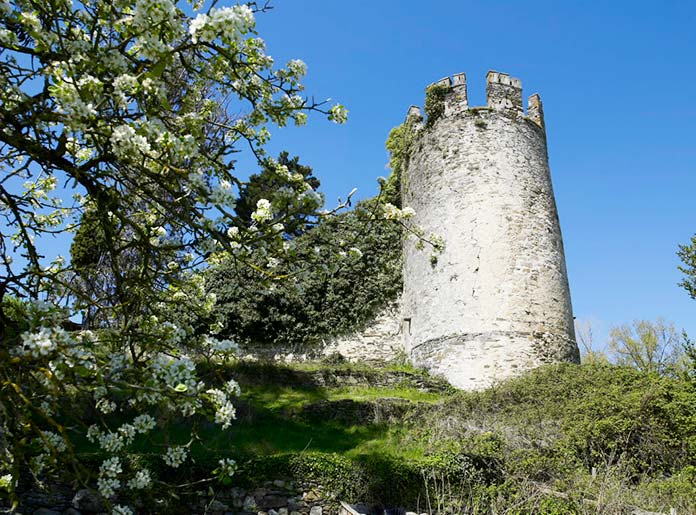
{"x":645,"y":345}
{"x":124,"y":116}
{"x":349,"y":267}
{"x":273,"y":181}
{"x":687,"y":254}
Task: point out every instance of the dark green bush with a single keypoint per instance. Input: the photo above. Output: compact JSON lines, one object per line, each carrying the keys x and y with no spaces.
{"x":591,"y":415}
{"x":329,"y":294}
{"x":376,"y":478}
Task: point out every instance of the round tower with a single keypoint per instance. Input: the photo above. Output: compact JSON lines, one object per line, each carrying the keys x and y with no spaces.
{"x":496,"y":301}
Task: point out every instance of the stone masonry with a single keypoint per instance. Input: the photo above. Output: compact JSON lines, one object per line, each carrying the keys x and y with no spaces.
{"x":497,"y":300}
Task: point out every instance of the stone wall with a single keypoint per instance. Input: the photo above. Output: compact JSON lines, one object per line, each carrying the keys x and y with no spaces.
{"x":379,"y":342}
{"x":497,"y":300}
{"x":277,"y":497}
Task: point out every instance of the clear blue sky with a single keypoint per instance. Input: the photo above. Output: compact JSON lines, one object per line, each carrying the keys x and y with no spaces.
{"x":618,"y":82}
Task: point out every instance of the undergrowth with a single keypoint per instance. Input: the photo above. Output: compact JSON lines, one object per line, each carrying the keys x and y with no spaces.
{"x":563,"y":439}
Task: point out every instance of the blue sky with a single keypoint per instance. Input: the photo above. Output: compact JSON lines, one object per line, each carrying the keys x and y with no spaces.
{"x":618,"y":82}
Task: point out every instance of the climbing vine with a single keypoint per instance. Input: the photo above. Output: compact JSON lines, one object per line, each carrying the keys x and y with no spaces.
{"x":400,"y":144}
{"x":435,"y":103}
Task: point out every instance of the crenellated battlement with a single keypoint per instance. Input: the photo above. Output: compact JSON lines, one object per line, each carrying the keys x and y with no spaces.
{"x":414,"y":113}
{"x":503,"y":94}
{"x":535,"y":111}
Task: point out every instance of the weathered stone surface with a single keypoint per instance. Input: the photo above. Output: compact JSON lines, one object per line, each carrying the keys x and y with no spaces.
{"x":311,"y":496}
{"x":271,"y":501}
{"x":249,"y":503}
{"x":295,"y":504}
{"x":496,"y":302}
{"x":380,"y":341}
{"x":87,"y":501}
{"x":316,"y":510}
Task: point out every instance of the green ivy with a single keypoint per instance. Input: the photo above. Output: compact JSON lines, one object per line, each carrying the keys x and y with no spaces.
{"x":332,"y":293}
{"x":400,"y":145}
{"x":435,"y":103}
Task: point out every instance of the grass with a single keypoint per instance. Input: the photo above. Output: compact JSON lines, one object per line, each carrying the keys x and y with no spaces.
{"x":271,"y":417}
{"x":368,"y":394}
{"x":273,"y":424}
{"x":550,"y":427}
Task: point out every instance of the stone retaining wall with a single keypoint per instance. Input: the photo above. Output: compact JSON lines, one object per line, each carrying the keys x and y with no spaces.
{"x":277,"y":497}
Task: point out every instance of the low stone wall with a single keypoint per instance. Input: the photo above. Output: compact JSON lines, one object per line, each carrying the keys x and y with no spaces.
{"x":379,"y":342}
{"x":277,"y":497}
{"x":336,"y":377}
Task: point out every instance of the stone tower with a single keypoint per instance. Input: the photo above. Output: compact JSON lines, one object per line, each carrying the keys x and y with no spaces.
{"x":496,"y":302}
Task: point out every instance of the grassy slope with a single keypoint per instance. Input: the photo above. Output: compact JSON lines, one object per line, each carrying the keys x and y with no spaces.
{"x":547,"y":429}
{"x":272,"y":416}
{"x":503,"y":449}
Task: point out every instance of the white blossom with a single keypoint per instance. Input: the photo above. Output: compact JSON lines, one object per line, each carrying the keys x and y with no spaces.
{"x":227,"y":467}
{"x":111,"y":467}
{"x":355,"y":252}
{"x":338,"y":114}
{"x":107,"y":486}
{"x":263,"y":212}
{"x":231,"y":387}
{"x":55,"y":442}
{"x":141,"y":480}
{"x":175,"y":456}
{"x":6,"y":482}
{"x":230,"y":23}
{"x":224,"y":414}
{"x":297,"y":67}
{"x":144,"y":423}
{"x":38,"y":344}
{"x":127,"y":144}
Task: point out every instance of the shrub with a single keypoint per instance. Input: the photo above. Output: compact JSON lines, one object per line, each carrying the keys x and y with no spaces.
{"x":329,"y":295}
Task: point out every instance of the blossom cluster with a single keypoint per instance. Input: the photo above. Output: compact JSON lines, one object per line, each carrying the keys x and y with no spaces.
{"x":263,"y":212}
{"x":229,"y":23}
{"x":224,"y":409}
{"x":391,"y":212}
{"x":108,"y":481}
{"x":175,"y":456}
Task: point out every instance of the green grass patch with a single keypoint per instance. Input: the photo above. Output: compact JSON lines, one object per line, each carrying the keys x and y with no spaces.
{"x":368,"y":394}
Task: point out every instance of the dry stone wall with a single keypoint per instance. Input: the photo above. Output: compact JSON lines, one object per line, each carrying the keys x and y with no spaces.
{"x":497,"y":300}
{"x":278,"y":497}
{"x":379,"y":342}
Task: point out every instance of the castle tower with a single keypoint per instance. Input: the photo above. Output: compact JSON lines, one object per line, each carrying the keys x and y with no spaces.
{"x":496,"y":302}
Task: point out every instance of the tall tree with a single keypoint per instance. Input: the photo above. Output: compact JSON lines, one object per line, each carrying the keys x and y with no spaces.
{"x":687,"y":254}
{"x":130,"y":110}
{"x":286,"y":180}
{"x":646,"y":345}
